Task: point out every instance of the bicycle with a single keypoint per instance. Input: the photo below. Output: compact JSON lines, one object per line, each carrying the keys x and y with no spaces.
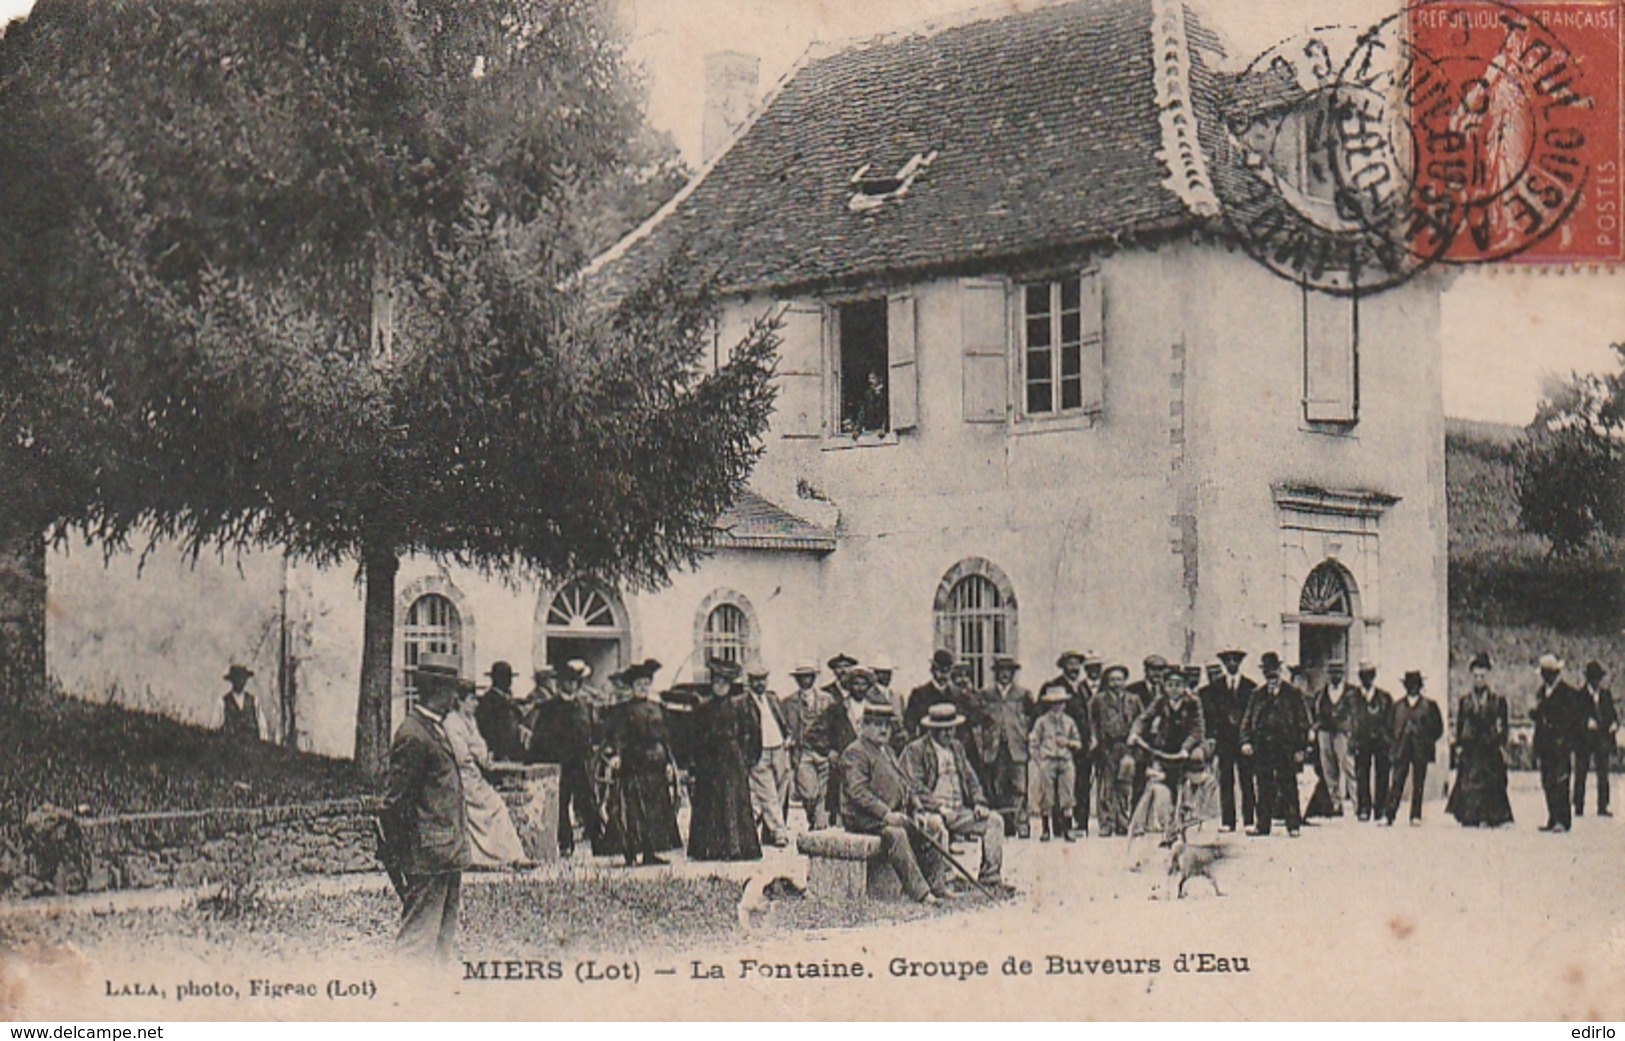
{"x":1160,"y":806}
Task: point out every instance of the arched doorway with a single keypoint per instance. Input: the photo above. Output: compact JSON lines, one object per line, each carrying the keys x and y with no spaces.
{"x":1325,"y":618}
{"x":585,"y":620}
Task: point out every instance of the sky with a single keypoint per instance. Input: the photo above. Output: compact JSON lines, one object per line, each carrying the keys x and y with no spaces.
{"x":1505,"y":331}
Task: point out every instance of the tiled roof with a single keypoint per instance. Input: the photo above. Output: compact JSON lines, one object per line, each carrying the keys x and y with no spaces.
{"x":1047,"y":133}
{"x":753,"y":522}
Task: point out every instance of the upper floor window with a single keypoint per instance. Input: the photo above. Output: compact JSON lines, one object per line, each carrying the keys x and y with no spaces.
{"x":1060,"y":348}
{"x":1331,"y":394}
{"x":862,"y":337}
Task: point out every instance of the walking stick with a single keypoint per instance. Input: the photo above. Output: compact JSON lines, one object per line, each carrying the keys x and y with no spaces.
{"x":949,"y":857}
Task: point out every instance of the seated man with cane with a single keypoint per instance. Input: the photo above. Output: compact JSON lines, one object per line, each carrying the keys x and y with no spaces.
{"x":936,"y":765}
{"x":877,"y":798}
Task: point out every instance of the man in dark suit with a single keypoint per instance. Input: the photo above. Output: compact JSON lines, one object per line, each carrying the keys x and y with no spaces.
{"x":880,"y":800}
{"x":839,"y":666}
{"x":1002,"y":741}
{"x":1560,"y":728}
{"x":770,"y":774}
{"x":424,"y":822}
{"x":1081,"y":687}
{"x":240,"y":718}
{"x":1273,"y":735}
{"x":564,"y":735}
{"x":837,"y":727}
{"x":1368,"y":741}
{"x":935,"y":692}
{"x":1597,"y":745}
{"x":811,"y":768}
{"x":1416,"y":727}
{"x":498,"y":716}
{"x":1224,"y":704}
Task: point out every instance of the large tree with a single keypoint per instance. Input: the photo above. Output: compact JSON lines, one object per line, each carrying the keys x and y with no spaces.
{"x":1570,"y":466}
{"x":298,"y":273}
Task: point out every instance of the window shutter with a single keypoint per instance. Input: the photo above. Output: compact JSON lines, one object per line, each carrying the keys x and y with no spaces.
{"x":799,"y":411}
{"x":903,"y":386}
{"x":1093,"y":347}
{"x":1328,"y":351}
{"x":984,"y":313}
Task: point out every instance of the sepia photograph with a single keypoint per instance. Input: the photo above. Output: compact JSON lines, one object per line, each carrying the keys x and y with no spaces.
{"x":545,"y":510}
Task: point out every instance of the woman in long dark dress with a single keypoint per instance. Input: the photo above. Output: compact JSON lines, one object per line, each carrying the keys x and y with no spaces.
{"x":1479,"y":798}
{"x":723,"y":826}
{"x":640,"y":799}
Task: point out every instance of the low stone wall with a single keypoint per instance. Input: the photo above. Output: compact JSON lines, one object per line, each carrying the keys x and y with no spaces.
{"x":190,"y":848}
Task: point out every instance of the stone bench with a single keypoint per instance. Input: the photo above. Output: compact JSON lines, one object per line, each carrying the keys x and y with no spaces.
{"x":845,"y":867}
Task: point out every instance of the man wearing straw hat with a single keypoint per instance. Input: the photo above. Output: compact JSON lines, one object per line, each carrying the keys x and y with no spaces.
{"x":937,"y":766}
{"x":1559,"y":716}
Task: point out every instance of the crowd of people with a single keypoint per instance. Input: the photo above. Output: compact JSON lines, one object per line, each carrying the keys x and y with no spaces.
{"x":948,"y":761}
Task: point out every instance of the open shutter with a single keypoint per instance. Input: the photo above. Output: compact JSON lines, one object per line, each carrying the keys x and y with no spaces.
{"x":903,"y":385}
{"x":984,"y":314}
{"x":1093,"y":345}
{"x":800,"y":373}
{"x":1328,"y":357}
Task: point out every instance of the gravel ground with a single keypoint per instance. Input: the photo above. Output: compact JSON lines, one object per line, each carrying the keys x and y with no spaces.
{"x":1350,"y":921}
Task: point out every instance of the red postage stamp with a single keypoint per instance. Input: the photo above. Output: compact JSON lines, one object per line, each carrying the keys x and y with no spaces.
{"x":1515,"y":125}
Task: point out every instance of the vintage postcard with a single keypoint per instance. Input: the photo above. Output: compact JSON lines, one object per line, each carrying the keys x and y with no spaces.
{"x":775,"y":509}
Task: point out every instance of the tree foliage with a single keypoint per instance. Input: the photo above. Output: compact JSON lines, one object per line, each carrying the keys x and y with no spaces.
{"x":297,"y":273}
{"x":1571,"y":465}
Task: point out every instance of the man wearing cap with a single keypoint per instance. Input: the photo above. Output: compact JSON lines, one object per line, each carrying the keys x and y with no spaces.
{"x":1273,"y":734}
{"x":878,"y":799}
{"x":1113,"y":712}
{"x":564,"y":735}
{"x":1417,"y":727}
{"x":839,"y":666}
{"x":1368,"y":742}
{"x":1597,"y":744}
{"x":934,"y":692}
{"x":1146,"y":689}
{"x":497,"y":716}
{"x":770,"y":774}
{"x":240,"y":718}
{"x":809,"y":767}
{"x":937,"y":766}
{"x":1002,"y":740}
{"x":1560,"y":727}
{"x":1224,"y":705}
{"x":1172,"y":727}
{"x":423,"y":818}
{"x":1334,"y":715}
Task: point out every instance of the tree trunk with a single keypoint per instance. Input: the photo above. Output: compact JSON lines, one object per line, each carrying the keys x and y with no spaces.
{"x":372,"y":722}
{"x":22,"y":613}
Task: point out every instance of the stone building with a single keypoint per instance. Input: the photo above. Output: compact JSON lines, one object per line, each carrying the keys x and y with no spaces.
{"x":1031,"y":397}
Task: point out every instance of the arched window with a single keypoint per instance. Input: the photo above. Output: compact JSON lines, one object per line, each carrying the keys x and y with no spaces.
{"x":976,"y":616}
{"x":433,"y":625}
{"x":727,"y":633}
{"x":581,"y":606}
{"x":1325,"y":592}
{"x":725,"y":626}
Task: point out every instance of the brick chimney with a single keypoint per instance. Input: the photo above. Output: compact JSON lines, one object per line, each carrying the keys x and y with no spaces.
{"x":731,"y":80}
